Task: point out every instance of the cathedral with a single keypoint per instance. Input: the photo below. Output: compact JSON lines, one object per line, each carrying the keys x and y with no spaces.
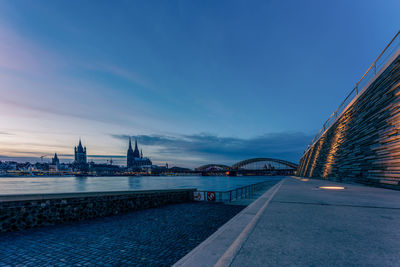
{"x":135,"y":159}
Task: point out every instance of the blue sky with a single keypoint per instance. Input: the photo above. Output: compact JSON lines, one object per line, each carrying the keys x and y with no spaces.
{"x":195,"y":81}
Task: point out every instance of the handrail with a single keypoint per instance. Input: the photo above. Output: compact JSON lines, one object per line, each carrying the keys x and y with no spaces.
{"x":234,"y":194}
{"x":338,"y":112}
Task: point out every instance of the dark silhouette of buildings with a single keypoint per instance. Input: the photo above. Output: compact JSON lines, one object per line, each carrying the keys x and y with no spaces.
{"x":135,"y":159}
{"x":105,"y":169}
{"x":80,"y":163}
{"x":80,"y":154}
{"x":132,"y":154}
{"x":55,"y":160}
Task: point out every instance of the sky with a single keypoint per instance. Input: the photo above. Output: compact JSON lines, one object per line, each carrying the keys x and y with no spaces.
{"x":195,"y":82}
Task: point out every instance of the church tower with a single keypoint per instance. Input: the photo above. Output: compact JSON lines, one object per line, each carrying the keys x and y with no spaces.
{"x":80,"y":154}
{"x":55,"y":160}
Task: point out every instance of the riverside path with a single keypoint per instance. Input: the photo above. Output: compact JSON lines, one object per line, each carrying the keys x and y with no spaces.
{"x":307,"y":222}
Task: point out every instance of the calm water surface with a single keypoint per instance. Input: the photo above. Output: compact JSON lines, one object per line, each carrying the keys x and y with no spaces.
{"x":31,"y":185}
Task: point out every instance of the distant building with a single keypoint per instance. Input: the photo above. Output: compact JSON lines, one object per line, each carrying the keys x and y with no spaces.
{"x":55,"y":160}
{"x":104,"y":169}
{"x":131,"y":155}
{"x":80,"y":163}
{"x":55,"y":163}
{"x":29,"y":167}
{"x":135,"y":159}
{"x":80,"y":154}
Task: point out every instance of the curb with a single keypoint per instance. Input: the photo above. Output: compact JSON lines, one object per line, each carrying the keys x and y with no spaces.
{"x":221,"y":247}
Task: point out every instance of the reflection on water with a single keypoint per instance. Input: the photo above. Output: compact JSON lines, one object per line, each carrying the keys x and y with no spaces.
{"x":134,"y":182}
{"x":81,"y":184}
{"x":31,"y":185}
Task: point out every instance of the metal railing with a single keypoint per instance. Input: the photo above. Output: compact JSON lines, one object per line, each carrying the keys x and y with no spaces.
{"x":231,"y":195}
{"x":371,"y":73}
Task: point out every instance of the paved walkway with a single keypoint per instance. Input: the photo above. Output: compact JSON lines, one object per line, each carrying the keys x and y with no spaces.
{"x":152,"y":237}
{"x":298,"y":224}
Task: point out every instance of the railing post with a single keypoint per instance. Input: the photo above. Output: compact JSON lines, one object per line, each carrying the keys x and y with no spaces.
{"x":230,"y":196}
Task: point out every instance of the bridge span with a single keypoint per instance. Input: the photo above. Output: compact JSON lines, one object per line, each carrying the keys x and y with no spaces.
{"x":253,"y":166}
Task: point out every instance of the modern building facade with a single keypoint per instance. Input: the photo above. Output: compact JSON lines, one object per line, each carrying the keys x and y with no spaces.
{"x":360,"y":142}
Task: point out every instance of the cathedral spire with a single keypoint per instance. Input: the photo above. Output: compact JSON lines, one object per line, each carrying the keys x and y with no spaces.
{"x":130,"y":143}
{"x":80,"y":147}
{"x":136,"y":152}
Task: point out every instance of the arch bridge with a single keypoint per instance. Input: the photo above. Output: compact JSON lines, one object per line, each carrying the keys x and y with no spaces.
{"x":265,"y":163}
{"x":254,"y":166}
{"x":213,"y":167}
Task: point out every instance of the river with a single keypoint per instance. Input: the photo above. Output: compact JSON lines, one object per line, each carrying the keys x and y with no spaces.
{"x":33,"y":185}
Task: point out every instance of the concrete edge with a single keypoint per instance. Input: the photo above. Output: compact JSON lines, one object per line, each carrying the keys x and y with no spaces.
{"x":231,"y":252}
{"x":235,"y":226}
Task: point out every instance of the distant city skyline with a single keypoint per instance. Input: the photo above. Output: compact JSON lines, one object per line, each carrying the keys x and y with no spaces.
{"x":194,"y":81}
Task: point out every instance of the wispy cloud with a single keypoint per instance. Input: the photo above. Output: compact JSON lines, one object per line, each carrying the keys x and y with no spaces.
{"x":55,"y":110}
{"x":6,"y":133}
{"x":207,"y":148}
{"x":19,"y":159}
{"x":125,"y":74}
{"x":22,"y":55}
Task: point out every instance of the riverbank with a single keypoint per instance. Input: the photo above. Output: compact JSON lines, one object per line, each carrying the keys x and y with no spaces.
{"x":27,"y":211}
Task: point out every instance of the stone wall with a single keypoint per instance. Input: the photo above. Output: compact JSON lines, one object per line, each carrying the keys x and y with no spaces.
{"x":363,"y":145}
{"x":26,"y":211}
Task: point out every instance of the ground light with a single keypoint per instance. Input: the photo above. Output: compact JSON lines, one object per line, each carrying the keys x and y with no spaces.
{"x":332,"y":187}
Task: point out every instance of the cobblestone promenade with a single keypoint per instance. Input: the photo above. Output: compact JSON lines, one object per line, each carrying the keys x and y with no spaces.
{"x":153,"y":237}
